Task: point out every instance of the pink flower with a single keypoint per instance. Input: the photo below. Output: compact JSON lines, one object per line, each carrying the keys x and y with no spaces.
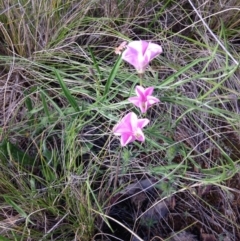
{"x":144,"y":98}
{"x":130,"y":129}
{"x":140,"y":53}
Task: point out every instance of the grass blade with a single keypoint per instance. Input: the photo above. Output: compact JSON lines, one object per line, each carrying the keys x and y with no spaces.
{"x":95,"y":64}
{"x":173,"y":77}
{"x":45,"y":107}
{"x":112,"y":76}
{"x":66,"y":92}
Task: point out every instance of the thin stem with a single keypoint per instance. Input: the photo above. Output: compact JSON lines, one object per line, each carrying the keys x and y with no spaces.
{"x":141,"y":78}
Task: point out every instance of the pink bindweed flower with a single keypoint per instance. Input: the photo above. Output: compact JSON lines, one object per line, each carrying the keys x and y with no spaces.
{"x":140,"y":53}
{"x":130,"y":129}
{"x":144,"y":98}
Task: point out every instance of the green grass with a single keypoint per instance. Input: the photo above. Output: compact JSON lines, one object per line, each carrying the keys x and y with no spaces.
{"x":62,"y":91}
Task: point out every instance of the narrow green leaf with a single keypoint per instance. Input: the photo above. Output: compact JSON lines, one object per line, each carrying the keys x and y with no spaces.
{"x":95,"y":63}
{"x":4,"y":239}
{"x":53,"y":103}
{"x":171,"y":152}
{"x":7,"y":149}
{"x":217,"y":85}
{"x":66,"y":92}
{"x":112,"y":76}
{"x":17,"y":208}
{"x":96,"y":202}
{"x":28,"y":100}
{"x":45,"y":104}
{"x":28,"y":103}
{"x":29,"y":106}
{"x":172,"y":78}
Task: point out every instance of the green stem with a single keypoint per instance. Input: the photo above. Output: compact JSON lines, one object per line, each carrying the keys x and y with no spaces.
{"x":141,"y":78}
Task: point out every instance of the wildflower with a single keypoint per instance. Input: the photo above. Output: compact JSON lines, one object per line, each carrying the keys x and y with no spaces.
{"x":130,"y":129}
{"x":144,"y":98}
{"x":140,"y":53}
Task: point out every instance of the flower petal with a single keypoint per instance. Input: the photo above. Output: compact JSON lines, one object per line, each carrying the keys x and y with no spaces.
{"x":123,"y":126}
{"x":142,"y":122}
{"x":140,"y":91}
{"x":140,"y":53}
{"x":152,"y":51}
{"x":139,"y":135}
{"x":130,"y":128}
{"x":126,"y":139}
{"x":152,"y":100}
{"x":143,"y":107}
{"x":120,"y":128}
{"x":130,"y":56}
{"x":133,"y":120}
{"x":139,"y":45}
{"x":135,"y":100}
{"x":148,"y":91}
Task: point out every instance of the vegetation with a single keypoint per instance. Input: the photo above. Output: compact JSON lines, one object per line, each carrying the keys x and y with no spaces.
{"x":64,"y":175}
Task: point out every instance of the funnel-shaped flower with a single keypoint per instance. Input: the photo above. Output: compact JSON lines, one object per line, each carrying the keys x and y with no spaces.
{"x":140,"y":53}
{"x":130,"y":129}
{"x":144,"y":98}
